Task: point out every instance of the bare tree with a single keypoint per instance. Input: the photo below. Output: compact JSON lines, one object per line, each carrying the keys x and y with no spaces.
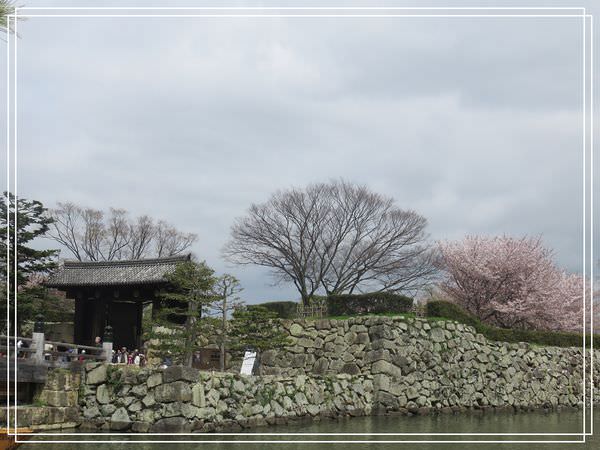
{"x":227,"y":289}
{"x":66,"y":228}
{"x":169,"y":241}
{"x":338,"y":236}
{"x":117,"y":234}
{"x":92,"y":235}
{"x":141,"y":234}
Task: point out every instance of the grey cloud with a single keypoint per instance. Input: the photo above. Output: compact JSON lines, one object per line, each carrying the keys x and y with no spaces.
{"x":475,"y":124}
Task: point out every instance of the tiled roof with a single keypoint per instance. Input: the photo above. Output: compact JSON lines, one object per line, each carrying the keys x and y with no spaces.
{"x":111,"y":273}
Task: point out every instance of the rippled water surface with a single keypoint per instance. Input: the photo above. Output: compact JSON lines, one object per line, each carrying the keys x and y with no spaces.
{"x":564,"y":422}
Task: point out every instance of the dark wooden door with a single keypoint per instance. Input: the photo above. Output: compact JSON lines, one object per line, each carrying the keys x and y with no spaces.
{"x":124,"y":318}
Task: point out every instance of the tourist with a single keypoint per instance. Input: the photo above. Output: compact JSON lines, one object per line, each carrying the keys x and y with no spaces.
{"x":71,"y":351}
{"x":167,"y":361}
{"x":48,"y":348}
{"x":115,"y":357}
{"x":62,"y":349}
{"x":98,"y":341}
{"x":136,"y":357}
{"x":123,"y":356}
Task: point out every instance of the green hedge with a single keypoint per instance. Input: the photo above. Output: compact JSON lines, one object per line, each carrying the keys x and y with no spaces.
{"x":284,"y":310}
{"x":373,"y":303}
{"x":449,"y":310}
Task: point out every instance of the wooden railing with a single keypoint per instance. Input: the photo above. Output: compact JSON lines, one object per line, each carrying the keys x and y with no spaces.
{"x":311,"y":311}
{"x":419,"y":309}
{"x":46,"y":352}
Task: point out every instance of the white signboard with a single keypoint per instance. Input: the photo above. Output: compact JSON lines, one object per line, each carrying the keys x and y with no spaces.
{"x":248,"y":363}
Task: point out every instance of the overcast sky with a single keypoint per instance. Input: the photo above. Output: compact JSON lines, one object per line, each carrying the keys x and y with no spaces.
{"x":474,"y":123}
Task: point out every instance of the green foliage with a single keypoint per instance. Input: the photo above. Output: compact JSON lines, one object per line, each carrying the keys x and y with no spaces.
{"x":31,"y":222}
{"x":441,"y":308}
{"x":226,"y":301}
{"x":256,"y":327}
{"x":318,"y":300}
{"x":265,"y":395}
{"x":284,"y":310}
{"x":452,"y":311}
{"x":39,"y":402}
{"x":34,"y":300}
{"x":32,"y":265}
{"x":7,"y":8}
{"x":403,"y":315}
{"x":371,"y":303}
{"x":114,"y":378}
{"x":180,"y":321}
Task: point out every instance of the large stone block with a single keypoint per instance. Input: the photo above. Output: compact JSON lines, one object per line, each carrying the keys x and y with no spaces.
{"x":323,"y":324}
{"x":55,"y":398}
{"x":154,"y":380}
{"x":59,"y":380}
{"x":268,"y":358}
{"x":296,"y":330}
{"x":102,"y":394}
{"x":178,"y":391}
{"x":107,"y":410}
{"x":321,"y":366}
{"x":177,"y":373}
{"x":171,"y":425}
{"x":91,"y":413}
{"x":198,"y":395}
{"x":140,"y":427}
{"x":381,"y":382}
{"x":148,"y":400}
{"x":120,"y":420}
{"x":381,"y":332}
{"x":38,"y":416}
{"x":377,"y":355}
{"x":96,"y":375}
{"x":387,"y":368}
{"x":139,"y":390}
{"x":350,"y":368}
{"x":306,"y":342}
{"x":177,"y":409}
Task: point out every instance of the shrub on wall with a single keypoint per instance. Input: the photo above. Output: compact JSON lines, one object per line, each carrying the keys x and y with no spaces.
{"x":371,"y":303}
{"x":284,"y":310}
{"x":452,"y":311}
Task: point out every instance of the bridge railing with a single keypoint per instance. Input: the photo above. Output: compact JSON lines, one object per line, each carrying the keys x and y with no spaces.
{"x":53,"y":353}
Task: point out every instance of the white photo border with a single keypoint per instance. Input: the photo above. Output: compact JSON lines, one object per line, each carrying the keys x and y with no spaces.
{"x":586,"y":18}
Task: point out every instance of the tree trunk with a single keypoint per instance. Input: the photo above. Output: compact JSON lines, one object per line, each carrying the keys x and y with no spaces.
{"x":305,"y":298}
{"x":222,"y":357}
{"x":223,"y":335}
{"x":189,"y":335}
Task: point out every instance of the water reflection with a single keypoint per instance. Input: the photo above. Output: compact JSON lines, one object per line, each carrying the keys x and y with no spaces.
{"x":565,"y":422}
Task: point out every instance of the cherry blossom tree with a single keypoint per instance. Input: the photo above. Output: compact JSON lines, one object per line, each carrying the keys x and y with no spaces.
{"x":511,"y":282}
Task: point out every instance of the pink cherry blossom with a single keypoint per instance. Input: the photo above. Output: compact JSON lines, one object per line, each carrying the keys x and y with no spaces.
{"x":512,"y":282}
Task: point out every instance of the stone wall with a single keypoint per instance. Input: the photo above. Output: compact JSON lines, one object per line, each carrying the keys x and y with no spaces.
{"x":337,"y":368}
{"x":433,"y":364}
{"x":55,"y":406}
{"x":180,"y":399}
{"x":361,"y":366}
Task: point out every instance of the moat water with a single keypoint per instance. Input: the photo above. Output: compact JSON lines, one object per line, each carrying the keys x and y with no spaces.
{"x":532,"y":422}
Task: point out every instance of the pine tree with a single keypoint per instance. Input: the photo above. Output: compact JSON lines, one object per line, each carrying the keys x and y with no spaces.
{"x":179,"y":321}
{"x":258,"y":328}
{"x":31,"y":222}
